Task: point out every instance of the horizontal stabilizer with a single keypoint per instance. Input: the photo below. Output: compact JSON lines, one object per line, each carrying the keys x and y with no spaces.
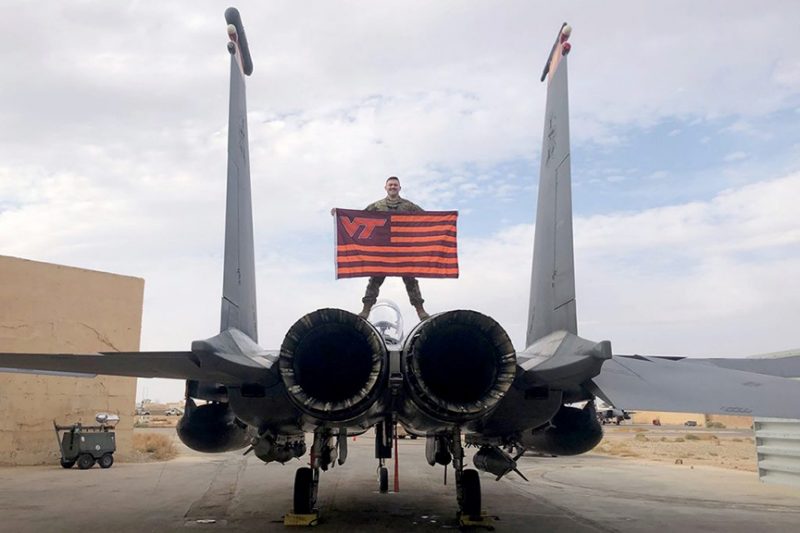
{"x":785,"y":367}
{"x":655,"y":384}
{"x":210,"y":367}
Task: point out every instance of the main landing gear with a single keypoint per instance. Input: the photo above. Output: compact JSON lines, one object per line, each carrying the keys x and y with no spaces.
{"x":442,"y":449}
{"x":324,"y":453}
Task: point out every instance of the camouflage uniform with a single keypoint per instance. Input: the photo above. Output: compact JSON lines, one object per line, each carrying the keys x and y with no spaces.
{"x":375,"y":282}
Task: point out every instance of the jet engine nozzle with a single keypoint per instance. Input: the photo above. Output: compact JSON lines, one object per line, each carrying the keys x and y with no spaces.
{"x":458,"y":365}
{"x":333,"y":365}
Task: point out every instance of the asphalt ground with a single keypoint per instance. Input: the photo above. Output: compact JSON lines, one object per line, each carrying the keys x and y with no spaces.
{"x":231,"y":492}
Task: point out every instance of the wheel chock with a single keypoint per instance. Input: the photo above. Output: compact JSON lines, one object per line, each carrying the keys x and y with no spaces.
{"x":302,"y":520}
{"x":484,"y":521}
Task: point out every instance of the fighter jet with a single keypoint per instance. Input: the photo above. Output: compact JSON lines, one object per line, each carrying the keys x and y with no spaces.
{"x":455,"y":379}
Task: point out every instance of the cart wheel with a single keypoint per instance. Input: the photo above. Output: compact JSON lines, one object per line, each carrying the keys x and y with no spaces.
{"x":106,"y":461}
{"x":85,"y":461}
{"x":67,"y":464}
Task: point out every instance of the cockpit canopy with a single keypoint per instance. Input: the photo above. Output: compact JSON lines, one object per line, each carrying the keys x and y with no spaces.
{"x":387,"y":319}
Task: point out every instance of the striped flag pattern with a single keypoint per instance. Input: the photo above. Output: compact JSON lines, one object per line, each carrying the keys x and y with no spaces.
{"x":385,"y":243}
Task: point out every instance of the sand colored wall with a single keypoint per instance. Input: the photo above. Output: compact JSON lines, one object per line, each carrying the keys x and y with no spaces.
{"x":678,"y":419}
{"x":667,"y":419}
{"x":47,"y":308}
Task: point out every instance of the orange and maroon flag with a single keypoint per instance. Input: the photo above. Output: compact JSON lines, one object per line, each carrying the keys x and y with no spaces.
{"x":418,"y":244}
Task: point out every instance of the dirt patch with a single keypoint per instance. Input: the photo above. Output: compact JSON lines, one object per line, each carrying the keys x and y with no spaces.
{"x":736,"y":452}
{"x":154,"y":447}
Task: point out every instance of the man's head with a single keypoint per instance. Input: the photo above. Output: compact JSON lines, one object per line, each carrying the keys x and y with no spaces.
{"x":392,"y":187}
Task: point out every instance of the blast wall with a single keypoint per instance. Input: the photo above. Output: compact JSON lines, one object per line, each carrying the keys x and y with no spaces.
{"x":48,"y":308}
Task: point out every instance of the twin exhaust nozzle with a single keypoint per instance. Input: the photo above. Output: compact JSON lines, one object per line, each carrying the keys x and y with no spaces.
{"x":457,"y":366}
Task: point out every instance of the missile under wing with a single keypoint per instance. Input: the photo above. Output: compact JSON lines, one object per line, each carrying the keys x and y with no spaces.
{"x":456,"y":374}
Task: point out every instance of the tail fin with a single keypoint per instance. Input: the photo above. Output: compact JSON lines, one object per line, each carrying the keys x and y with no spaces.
{"x":239,"y":279}
{"x":552,"y":301}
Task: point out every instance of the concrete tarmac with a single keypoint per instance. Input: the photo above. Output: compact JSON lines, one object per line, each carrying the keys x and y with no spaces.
{"x":229,"y":492}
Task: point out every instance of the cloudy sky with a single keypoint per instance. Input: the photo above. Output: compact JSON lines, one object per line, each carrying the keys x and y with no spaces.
{"x":685,"y":156}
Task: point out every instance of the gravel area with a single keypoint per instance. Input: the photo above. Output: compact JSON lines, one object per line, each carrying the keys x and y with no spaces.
{"x":733,"y":449}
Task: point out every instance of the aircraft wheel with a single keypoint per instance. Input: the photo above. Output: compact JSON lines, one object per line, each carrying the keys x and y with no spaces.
{"x":303,"y":491}
{"x":383,"y":479}
{"x":85,"y":461}
{"x":471,"y":491}
{"x":106,"y":461}
{"x":67,"y":464}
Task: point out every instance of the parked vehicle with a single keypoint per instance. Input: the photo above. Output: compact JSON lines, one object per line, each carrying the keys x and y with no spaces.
{"x":87,"y":445}
{"x":613,"y":416}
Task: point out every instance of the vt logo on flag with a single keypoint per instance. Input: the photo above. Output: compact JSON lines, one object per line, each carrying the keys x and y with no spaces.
{"x":383,"y":243}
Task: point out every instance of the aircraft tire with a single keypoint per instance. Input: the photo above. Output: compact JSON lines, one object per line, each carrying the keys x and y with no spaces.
{"x":303,"y":491}
{"x":85,"y":461}
{"x":471,"y":491}
{"x":66,"y":464}
{"x":383,"y":479}
{"x":106,"y":461}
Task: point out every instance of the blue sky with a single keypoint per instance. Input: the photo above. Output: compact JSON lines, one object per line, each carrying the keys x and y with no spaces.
{"x":685,"y":156}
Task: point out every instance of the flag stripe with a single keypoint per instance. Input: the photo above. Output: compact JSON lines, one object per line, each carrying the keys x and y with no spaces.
{"x":404,"y":259}
{"x":428,"y":238}
{"x":408,"y":252}
{"x":424,"y":218}
{"x":399,"y":270}
{"x":422,"y":228}
{"x":385,"y":267}
{"x":399,"y":249}
{"x":381,"y":273}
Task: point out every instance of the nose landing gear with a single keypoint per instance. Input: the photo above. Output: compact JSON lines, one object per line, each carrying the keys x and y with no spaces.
{"x":383,"y":450}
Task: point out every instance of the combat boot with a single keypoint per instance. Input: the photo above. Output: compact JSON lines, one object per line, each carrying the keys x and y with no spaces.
{"x":365,"y":312}
{"x":421,"y":313}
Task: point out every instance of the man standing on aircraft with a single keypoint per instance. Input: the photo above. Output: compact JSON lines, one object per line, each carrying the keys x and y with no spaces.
{"x":393,"y":202}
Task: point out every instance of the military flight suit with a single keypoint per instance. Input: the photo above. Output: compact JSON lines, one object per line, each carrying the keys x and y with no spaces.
{"x":375,"y":282}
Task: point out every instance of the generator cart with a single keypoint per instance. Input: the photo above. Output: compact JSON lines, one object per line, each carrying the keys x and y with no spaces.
{"x":85,"y":445}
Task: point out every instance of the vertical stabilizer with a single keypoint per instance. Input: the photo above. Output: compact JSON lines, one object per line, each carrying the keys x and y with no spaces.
{"x":239,"y":280}
{"x":552,"y":301}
